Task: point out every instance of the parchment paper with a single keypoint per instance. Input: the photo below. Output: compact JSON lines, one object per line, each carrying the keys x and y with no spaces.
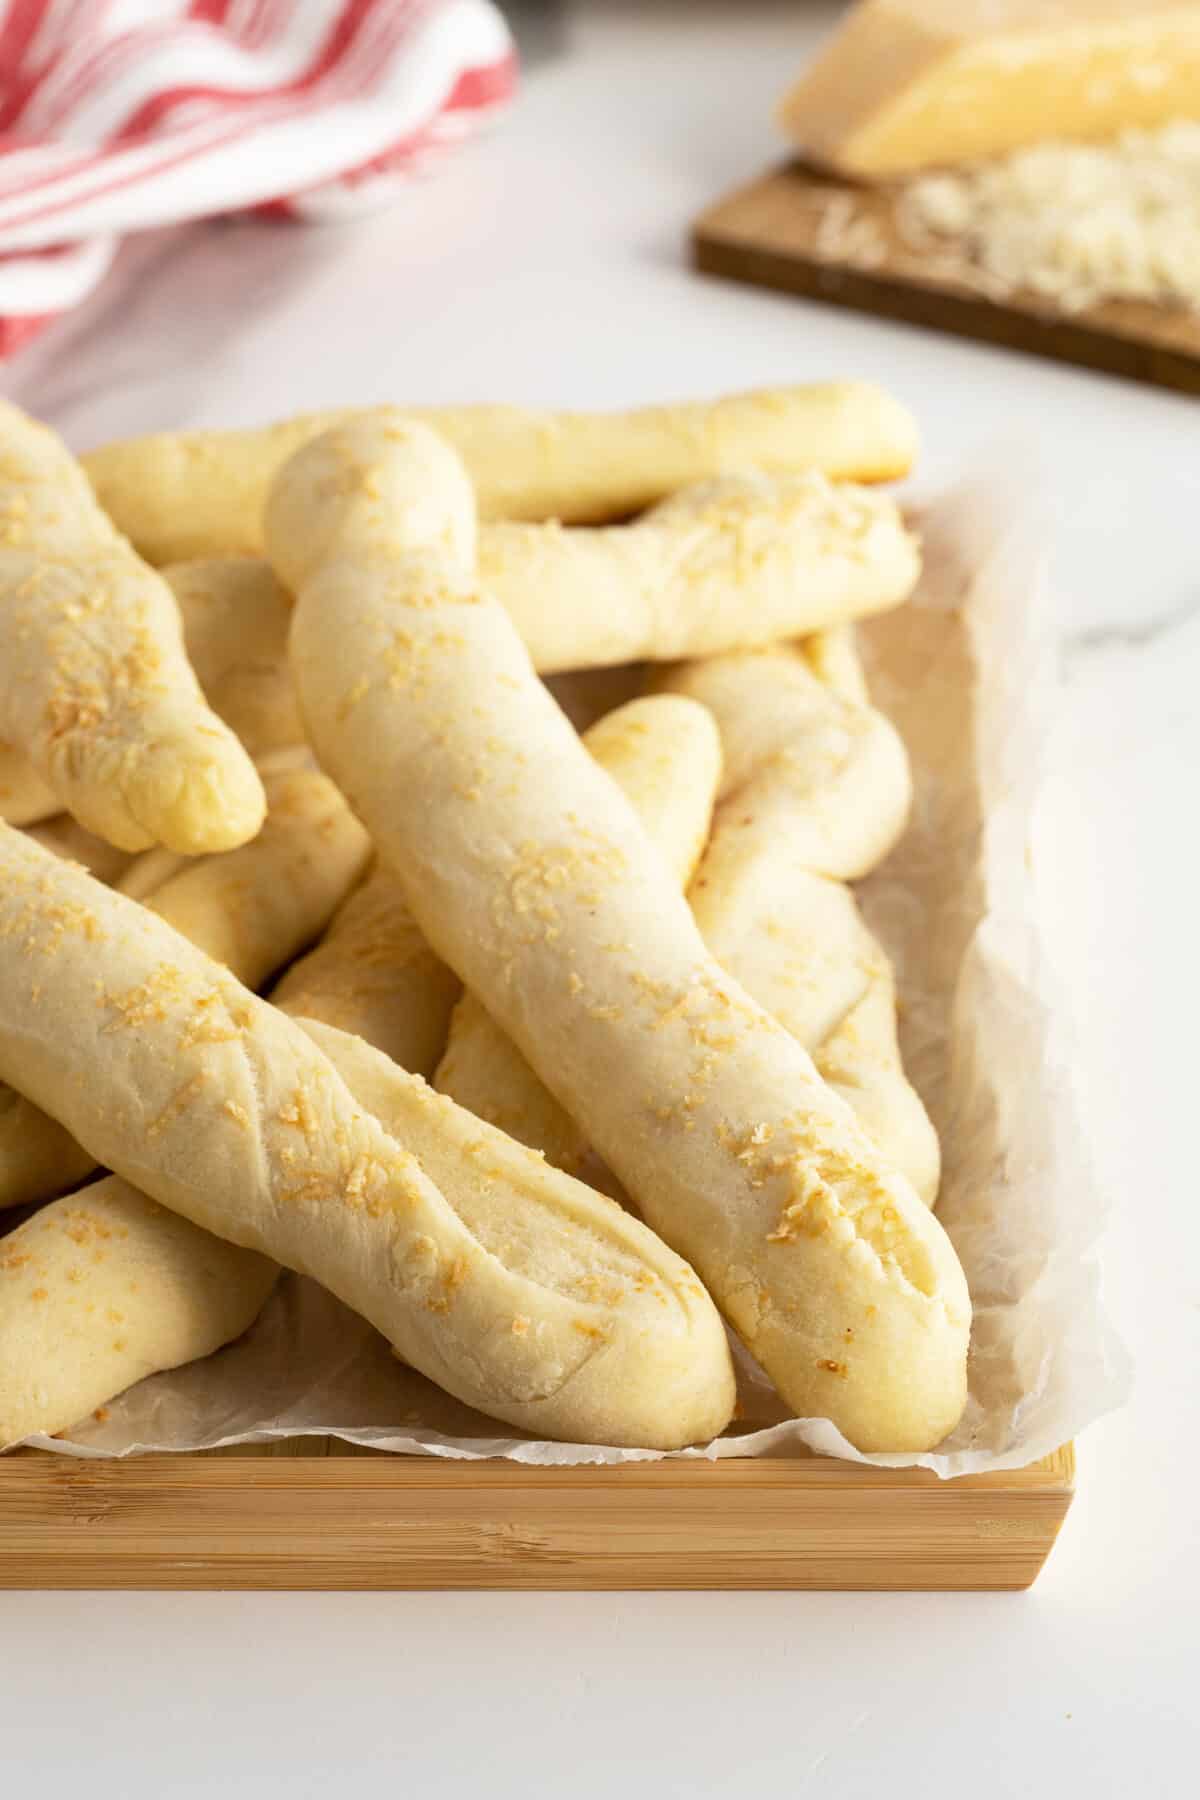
{"x":963,"y":672}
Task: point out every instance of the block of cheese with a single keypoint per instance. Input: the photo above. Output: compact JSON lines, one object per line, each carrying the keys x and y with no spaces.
{"x":909,"y":84}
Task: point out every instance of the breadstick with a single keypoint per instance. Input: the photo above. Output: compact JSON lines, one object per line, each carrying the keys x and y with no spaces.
{"x":796,"y":944}
{"x":97,"y":688}
{"x":25,"y":799}
{"x":833,"y":657}
{"x":818,"y":780}
{"x":252,"y":909}
{"x":103,"y":1288}
{"x":67,"y":837}
{"x":861,"y":1061}
{"x":817,"y":785}
{"x":566,"y":1318}
{"x":664,"y":754}
{"x":235,"y":625}
{"x":152,"y":870}
{"x":741,"y":560}
{"x":36,"y":1155}
{"x":374,"y":976}
{"x":530,"y":875}
{"x":201,"y":493}
{"x":182,"y":1292}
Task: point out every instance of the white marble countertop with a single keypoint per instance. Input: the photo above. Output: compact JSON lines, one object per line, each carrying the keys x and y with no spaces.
{"x":547,"y":266}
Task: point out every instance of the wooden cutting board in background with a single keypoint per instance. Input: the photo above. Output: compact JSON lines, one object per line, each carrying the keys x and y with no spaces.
{"x":809,"y":233}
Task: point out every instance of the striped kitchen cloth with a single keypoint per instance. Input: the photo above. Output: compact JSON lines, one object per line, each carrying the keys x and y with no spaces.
{"x":119,"y":115}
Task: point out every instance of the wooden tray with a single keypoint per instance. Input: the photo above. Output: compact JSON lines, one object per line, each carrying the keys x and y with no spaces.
{"x":315,"y":1513}
{"x":770,"y":234}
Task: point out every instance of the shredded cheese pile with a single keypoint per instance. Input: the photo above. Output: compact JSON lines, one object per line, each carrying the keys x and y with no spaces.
{"x":1075,"y":223}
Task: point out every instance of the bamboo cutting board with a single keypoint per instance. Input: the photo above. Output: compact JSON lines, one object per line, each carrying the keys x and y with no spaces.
{"x":286,"y":1517}
{"x":777,"y":233}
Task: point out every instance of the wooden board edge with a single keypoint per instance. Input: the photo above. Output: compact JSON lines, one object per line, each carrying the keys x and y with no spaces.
{"x":1086,"y":340}
{"x":382,"y":1522}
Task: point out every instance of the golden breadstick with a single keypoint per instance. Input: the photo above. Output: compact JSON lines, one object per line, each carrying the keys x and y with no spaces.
{"x":741,"y":560}
{"x":38,"y":1158}
{"x":670,"y":1381}
{"x":861,"y":1061}
{"x":564,"y":1317}
{"x":103,"y":1288}
{"x":664,"y":754}
{"x":820,"y":780}
{"x":833,"y":657}
{"x":201,"y":493}
{"x":530,"y":874}
{"x":36,"y":1155}
{"x":235,"y":625}
{"x":25,"y":799}
{"x":374,"y":976}
{"x":251,"y":908}
{"x":152,"y":870}
{"x":798,"y":944}
{"x":97,"y":688}
{"x":817,"y":785}
{"x":181,"y":1292}
{"x":67,"y":837}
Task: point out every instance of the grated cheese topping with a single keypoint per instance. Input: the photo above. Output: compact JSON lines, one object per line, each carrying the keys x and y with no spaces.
{"x":1074,"y":223}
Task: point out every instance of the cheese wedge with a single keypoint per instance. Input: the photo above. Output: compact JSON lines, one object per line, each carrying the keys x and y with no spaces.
{"x":907,"y":84}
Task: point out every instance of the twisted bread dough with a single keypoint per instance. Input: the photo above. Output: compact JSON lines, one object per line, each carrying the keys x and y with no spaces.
{"x":36,"y":1155}
{"x":252,"y":909}
{"x":742,"y":560}
{"x":98,"y":691}
{"x":374,"y":975}
{"x":235,"y":624}
{"x":540,"y":1303}
{"x":25,"y":799}
{"x":664,"y":754}
{"x":745,"y":559}
{"x":103,"y":1288}
{"x":816,"y":786}
{"x":529,"y":873}
{"x":833,"y":657}
{"x":816,"y":781}
{"x":202,"y":493}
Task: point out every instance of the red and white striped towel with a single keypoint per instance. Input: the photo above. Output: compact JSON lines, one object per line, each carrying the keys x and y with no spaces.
{"x":118,"y":115}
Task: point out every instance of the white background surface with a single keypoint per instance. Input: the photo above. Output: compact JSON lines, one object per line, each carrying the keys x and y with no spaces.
{"x":547,"y":266}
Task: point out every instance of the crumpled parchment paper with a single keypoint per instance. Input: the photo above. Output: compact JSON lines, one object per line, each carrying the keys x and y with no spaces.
{"x":964,"y":672}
